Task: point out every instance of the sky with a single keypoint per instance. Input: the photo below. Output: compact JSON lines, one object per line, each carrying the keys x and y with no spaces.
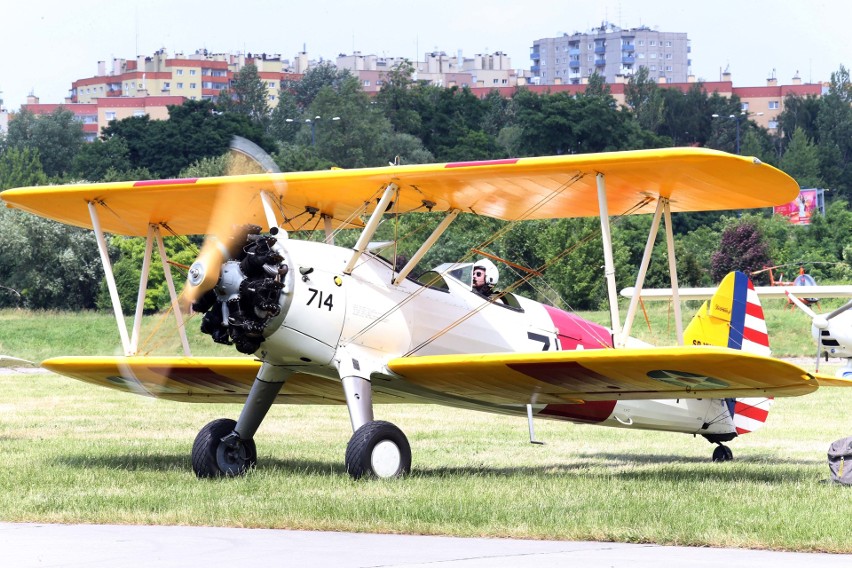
{"x":754,"y":39}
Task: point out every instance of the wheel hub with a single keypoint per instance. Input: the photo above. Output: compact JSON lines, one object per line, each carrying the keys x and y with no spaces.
{"x":386,"y":459}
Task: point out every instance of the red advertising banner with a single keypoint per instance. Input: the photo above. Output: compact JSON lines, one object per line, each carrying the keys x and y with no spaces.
{"x":800,"y":210}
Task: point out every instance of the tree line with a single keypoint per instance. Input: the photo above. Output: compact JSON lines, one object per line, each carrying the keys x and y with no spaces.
{"x":327,"y":120}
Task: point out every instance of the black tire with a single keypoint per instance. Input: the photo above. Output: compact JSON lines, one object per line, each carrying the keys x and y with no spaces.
{"x":212,"y":458}
{"x":378,"y":449}
{"x":722,"y":453}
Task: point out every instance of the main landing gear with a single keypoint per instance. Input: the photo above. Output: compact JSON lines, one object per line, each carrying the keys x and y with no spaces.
{"x":224,"y":448}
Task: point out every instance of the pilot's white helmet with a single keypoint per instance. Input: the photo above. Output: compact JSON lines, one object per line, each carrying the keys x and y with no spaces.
{"x":491,"y":274}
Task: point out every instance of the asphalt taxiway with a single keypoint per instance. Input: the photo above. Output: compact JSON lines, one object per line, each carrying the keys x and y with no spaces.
{"x":125,"y":546}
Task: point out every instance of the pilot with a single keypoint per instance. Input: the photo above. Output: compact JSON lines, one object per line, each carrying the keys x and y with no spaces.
{"x":484,"y":277}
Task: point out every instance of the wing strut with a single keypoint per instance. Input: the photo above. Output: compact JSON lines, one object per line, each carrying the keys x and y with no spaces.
{"x":155,"y":236}
{"x":268,"y":210}
{"x":427,"y":244}
{"x":371,"y":227}
{"x":609,"y":264}
{"x":110,"y":278}
{"x":140,"y":294}
{"x":643,"y":270}
{"x":673,"y":272}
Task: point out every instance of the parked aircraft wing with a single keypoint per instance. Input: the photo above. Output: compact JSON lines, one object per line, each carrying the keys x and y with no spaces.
{"x":764,"y":292}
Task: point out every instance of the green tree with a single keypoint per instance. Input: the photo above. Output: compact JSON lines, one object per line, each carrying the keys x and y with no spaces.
{"x":285,"y":119}
{"x":358,"y":138}
{"x":644,"y":99}
{"x":801,"y":160}
{"x":247,"y":96}
{"x":58,"y":136}
{"x":52,"y":266}
{"x":398,"y":99}
{"x":21,"y":167}
{"x":305,"y":90}
{"x":834,"y":125}
{"x":194,"y":130}
{"x":94,"y":160}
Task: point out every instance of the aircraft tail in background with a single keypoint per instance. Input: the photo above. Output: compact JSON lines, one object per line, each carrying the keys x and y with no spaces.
{"x":734,"y":318}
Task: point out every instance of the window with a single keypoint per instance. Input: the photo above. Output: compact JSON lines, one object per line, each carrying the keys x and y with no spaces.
{"x":166,"y":86}
{"x":192,"y":85}
{"x":109,"y":115}
{"x":641,"y":42}
{"x":366,"y":82}
{"x":192,"y":71}
{"x":773,"y":124}
{"x":668,"y":44}
{"x":668,"y":68}
{"x":138,"y":113}
{"x":653,"y":56}
{"x":271,"y":97}
{"x":652,"y":43}
{"x":668,"y":56}
{"x":744,"y":106}
{"x":653,"y":68}
{"x":271,"y":84}
{"x":179,"y":72}
{"x":180,"y":85}
{"x":773,"y":105}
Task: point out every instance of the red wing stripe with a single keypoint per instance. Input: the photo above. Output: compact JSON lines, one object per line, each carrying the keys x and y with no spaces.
{"x":150,"y":182}
{"x":481,"y":163}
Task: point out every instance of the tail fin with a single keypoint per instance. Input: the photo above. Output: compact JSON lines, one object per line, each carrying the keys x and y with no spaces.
{"x":733,"y":318}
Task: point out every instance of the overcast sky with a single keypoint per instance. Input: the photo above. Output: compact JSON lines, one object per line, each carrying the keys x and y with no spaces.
{"x":751,"y":37}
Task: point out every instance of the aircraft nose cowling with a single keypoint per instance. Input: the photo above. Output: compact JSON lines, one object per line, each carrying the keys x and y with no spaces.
{"x":248,"y":294}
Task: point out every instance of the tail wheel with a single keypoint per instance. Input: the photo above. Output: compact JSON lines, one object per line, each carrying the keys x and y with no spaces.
{"x":722,"y":453}
{"x":212,"y":457}
{"x":378,"y":449}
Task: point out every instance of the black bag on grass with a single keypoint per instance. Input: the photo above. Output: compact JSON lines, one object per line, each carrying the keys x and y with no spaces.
{"x":840,"y":461}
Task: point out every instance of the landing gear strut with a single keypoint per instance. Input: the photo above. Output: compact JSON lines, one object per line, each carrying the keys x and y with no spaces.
{"x":722,"y":453}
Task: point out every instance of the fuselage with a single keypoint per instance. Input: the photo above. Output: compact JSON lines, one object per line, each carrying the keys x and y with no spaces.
{"x":325,"y":312}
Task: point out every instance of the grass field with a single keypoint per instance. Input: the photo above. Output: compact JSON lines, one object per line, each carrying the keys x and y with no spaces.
{"x":77,"y":453}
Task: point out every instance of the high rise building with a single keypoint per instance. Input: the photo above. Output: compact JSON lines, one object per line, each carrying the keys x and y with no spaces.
{"x":612,"y":53}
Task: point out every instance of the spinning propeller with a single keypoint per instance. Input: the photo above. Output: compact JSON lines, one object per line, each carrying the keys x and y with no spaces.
{"x":238,"y":276}
{"x":832,"y":332}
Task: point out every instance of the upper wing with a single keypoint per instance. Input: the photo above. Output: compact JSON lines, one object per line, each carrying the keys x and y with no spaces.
{"x":606,"y":374}
{"x":694,"y":179}
{"x":829,"y":291}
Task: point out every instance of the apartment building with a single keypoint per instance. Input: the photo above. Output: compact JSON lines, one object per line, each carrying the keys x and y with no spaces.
{"x":96,"y":115}
{"x":436,"y":68}
{"x":761,"y":104}
{"x":611,"y":52}
{"x":197,"y":76}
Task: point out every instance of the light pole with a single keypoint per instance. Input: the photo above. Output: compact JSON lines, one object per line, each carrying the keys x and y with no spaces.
{"x":737,"y":118}
{"x":313,"y":123}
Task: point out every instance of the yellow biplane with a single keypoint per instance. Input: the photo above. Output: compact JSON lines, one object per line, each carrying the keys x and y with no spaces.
{"x":318,"y":323}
